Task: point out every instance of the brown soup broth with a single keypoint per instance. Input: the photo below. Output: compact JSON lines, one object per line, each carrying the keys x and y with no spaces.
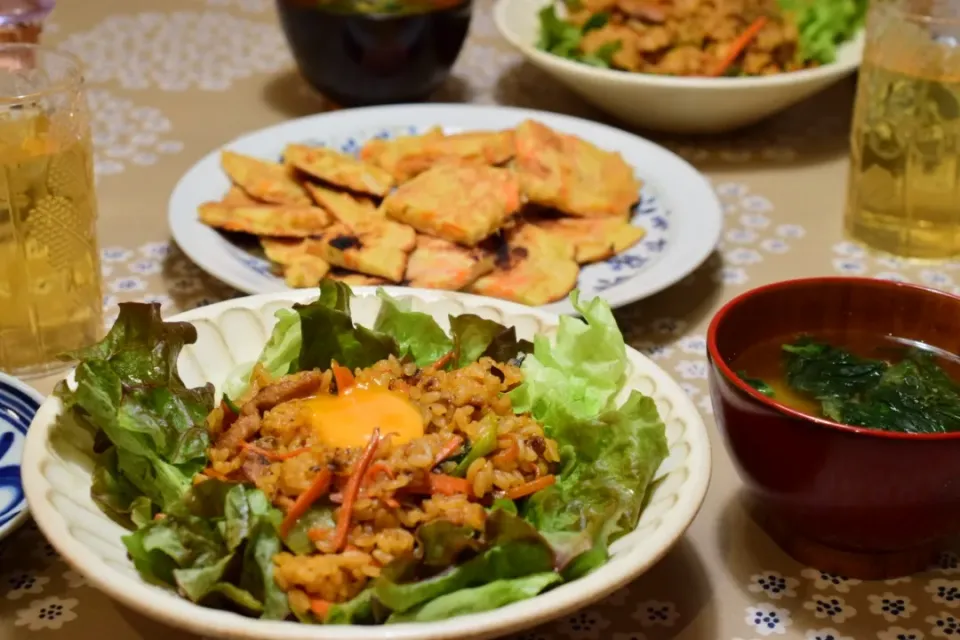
{"x":765,"y":361}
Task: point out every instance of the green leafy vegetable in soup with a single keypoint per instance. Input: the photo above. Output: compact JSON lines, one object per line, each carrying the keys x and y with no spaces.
{"x":222,"y":520}
{"x":757,"y":384}
{"x":909,"y":392}
{"x":913,"y":395}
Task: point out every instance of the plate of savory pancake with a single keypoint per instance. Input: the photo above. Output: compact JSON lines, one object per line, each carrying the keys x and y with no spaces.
{"x":511,"y":203}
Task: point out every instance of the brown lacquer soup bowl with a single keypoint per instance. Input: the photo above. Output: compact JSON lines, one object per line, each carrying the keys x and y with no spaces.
{"x":858,"y":501}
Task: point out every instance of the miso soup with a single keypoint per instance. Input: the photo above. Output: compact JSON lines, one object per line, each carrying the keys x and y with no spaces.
{"x":860,"y":379}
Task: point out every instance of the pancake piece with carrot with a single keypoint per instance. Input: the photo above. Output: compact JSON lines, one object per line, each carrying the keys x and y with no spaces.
{"x":571,"y":175}
{"x":263,"y":181}
{"x":593,"y":239}
{"x":300,"y":267}
{"x":440,"y":264}
{"x":339,"y":169}
{"x":266,"y":220}
{"x":461,"y":203}
{"x":376,"y":249}
{"x":533,"y":267}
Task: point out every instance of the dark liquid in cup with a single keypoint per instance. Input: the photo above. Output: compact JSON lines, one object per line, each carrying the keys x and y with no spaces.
{"x":376,"y":52}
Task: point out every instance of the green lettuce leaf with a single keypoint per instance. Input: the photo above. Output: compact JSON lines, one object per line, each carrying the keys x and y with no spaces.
{"x":824,"y":25}
{"x":216,"y":546}
{"x":579,"y":375}
{"x":609,"y":454}
{"x":558,"y":36}
{"x":148,"y":426}
{"x":329,"y":333}
{"x":417,"y":334}
{"x":362,"y":609}
{"x":610,"y":462}
{"x":563,"y":38}
{"x":471,"y":337}
{"x":492,"y":595}
{"x":475,"y":337}
{"x":311,"y":336}
{"x":506,"y":347}
{"x":278,"y":355}
{"x":511,"y":549}
{"x":112,"y":491}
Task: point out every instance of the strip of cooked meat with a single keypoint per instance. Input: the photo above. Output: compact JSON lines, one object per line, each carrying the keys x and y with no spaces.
{"x":289,"y":388}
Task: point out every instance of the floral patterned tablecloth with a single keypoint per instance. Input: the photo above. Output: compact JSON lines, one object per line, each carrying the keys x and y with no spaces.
{"x":172,"y":79}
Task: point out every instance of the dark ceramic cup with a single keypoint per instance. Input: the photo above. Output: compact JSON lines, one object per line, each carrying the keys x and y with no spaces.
{"x":860,"y":502}
{"x":368,"y":58}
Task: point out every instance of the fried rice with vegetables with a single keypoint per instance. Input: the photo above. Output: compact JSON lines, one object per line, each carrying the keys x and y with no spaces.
{"x":475,"y":449}
{"x":701,"y":37}
{"x":356,"y":475}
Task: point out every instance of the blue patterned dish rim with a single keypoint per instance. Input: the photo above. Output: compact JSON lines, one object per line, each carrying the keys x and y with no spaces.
{"x":649,"y":213}
{"x":18,"y":405}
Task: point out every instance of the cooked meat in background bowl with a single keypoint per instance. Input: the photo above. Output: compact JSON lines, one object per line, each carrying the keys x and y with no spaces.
{"x":734,"y":38}
{"x":689,"y":66}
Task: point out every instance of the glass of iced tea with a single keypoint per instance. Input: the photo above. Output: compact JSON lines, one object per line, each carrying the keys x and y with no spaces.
{"x":904,"y":186}
{"x":50,"y":295}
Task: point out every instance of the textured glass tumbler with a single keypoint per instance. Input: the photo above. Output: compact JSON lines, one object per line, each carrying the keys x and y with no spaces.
{"x":904,"y":187}
{"x":50,"y":290}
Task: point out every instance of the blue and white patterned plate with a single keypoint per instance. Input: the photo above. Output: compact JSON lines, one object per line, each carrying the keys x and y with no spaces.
{"x":676,"y":206}
{"x":18,"y":405}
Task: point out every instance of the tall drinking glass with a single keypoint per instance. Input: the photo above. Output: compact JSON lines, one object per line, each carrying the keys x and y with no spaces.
{"x":904,"y":186}
{"x":50,"y":295}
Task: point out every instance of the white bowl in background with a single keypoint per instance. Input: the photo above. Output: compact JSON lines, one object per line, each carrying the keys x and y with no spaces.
{"x":668,"y":103}
{"x":58,"y":462}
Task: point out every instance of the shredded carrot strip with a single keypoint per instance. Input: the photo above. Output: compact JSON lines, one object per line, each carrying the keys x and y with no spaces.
{"x":448,"y":449}
{"x":378,"y":467}
{"x":531,"y":487}
{"x":273,"y":455}
{"x":448,"y":485}
{"x":343,"y":376}
{"x":441,"y":361}
{"x":320,"y":485}
{"x":353,"y":488}
{"x":392,"y":503}
{"x":510,"y":454}
{"x":739,"y":45}
{"x":320,"y":607}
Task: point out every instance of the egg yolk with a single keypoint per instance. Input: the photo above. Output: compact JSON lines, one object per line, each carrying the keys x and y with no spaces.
{"x":348,"y":420}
